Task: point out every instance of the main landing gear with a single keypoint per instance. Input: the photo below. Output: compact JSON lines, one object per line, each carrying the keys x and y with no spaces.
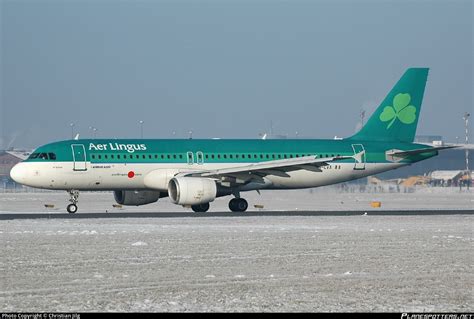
{"x":235,"y":205}
{"x":238,"y":205}
{"x":201,"y":208}
{"x":74,"y":198}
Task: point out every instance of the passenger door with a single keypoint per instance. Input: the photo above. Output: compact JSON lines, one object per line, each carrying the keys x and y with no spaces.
{"x":79,"y":157}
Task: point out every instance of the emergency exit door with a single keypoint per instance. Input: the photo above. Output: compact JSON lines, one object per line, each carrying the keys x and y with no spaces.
{"x":359,"y":156}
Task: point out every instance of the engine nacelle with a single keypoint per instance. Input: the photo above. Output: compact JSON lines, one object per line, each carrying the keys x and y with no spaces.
{"x":192,"y":190}
{"x":136,"y":198}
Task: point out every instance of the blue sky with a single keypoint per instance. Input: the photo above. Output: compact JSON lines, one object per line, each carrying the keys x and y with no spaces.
{"x":225,"y":68}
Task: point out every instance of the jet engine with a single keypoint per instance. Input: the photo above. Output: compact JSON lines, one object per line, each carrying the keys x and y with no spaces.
{"x":192,"y":190}
{"x":136,"y":198}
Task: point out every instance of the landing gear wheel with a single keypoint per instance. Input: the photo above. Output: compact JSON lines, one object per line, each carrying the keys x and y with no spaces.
{"x":73,"y":198}
{"x":201,"y":208}
{"x":71,"y":208}
{"x":238,"y":205}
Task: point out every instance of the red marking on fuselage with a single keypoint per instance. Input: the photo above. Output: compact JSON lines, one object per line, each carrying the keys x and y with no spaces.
{"x":131,"y":174}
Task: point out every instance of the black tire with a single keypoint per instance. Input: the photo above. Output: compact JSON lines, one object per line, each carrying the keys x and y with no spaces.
{"x":71,"y":208}
{"x":201,"y":208}
{"x":232,"y":205}
{"x":238,"y":205}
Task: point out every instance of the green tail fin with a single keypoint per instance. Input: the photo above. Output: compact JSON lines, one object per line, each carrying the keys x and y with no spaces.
{"x":397,"y":117}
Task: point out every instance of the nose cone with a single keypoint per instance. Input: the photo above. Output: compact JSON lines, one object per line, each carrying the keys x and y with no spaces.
{"x":18,"y":173}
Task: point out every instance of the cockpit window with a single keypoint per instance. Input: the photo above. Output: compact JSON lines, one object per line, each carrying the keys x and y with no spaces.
{"x":43,"y":156}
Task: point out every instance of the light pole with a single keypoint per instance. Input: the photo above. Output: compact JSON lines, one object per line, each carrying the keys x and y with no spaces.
{"x":141,"y":128}
{"x":72,"y":130}
{"x":466,"y":126}
{"x":362,"y":117}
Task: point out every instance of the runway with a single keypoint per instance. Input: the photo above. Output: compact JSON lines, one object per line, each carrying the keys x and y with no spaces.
{"x":254,"y":262}
{"x":316,"y":252}
{"x":85,"y":215}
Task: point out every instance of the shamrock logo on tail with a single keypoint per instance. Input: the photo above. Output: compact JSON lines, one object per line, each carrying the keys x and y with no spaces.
{"x":400,"y":110}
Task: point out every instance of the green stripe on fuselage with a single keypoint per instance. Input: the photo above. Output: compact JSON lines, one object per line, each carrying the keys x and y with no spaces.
{"x":221,"y":150}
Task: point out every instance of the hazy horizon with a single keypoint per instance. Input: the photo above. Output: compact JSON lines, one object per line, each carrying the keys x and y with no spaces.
{"x":227,"y":69}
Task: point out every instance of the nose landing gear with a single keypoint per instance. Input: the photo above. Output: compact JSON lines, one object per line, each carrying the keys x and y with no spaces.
{"x":74,"y":198}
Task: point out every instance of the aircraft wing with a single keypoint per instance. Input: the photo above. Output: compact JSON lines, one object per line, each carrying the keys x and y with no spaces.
{"x":245,"y":173}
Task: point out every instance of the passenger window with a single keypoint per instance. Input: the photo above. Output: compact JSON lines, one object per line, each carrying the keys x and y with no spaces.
{"x":225,"y":156}
{"x":93,"y":156}
{"x":100,"y":157}
{"x":168,"y":156}
{"x":105,"y":156}
{"x":131,"y":156}
{"x":143,"y":156}
{"x":174,"y":156}
{"x":118,"y":156}
{"x":137,"y":156}
{"x":230,"y":156}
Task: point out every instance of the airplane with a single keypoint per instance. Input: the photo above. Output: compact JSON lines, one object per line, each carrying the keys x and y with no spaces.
{"x":194,"y":172}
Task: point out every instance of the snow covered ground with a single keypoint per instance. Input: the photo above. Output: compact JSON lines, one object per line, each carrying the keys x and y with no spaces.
{"x":253,"y":263}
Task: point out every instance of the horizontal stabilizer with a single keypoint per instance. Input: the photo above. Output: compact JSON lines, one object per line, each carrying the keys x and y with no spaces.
{"x":399,"y":153}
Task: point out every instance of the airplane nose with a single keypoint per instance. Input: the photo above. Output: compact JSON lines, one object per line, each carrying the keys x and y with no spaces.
{"x":18,"y":173}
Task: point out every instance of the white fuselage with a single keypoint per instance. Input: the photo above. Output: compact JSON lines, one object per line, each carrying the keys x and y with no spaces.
{"x":155,"y":176}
